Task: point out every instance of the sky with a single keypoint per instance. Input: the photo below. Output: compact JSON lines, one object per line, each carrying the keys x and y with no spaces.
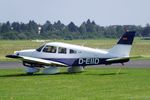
{"x":103,"y":12}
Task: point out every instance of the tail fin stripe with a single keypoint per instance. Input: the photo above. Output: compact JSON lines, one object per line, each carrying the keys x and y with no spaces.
{"x":127,"y":38}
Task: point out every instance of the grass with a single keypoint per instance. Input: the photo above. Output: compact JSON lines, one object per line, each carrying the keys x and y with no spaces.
{"x":140,"y":47}
{"x":93,"y":84}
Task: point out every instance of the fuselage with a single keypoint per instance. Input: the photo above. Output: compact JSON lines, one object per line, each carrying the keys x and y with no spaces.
{"x":71,"y":55}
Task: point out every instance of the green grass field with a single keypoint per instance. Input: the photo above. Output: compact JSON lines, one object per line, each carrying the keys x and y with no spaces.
{"x":93,"y":84}
{"x":140,"y":47}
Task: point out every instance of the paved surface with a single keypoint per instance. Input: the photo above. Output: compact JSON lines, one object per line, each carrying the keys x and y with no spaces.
{"x":10,"y":64}
{"x":131,"y":64}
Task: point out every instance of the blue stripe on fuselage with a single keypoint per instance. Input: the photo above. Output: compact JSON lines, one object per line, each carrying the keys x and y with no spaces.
{"x":84,"y":61}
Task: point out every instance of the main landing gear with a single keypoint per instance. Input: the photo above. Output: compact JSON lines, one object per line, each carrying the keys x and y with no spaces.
{"x":30,"y":70}
{"x":75,"y":69}
{"x":52,"y":70}
{"x":46,"y":70}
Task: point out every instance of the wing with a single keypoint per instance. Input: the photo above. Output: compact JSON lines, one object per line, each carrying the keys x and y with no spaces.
{"x":37,"y":60}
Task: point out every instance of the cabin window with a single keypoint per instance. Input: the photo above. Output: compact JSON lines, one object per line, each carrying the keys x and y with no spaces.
{"x":62,"y":50}
{"x":50,"y":49}
{"x":40,"y":48}
{"x":72,"y":51}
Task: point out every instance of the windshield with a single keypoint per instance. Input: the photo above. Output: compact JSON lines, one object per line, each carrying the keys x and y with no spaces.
{"x":40,"y":48}
{"x":50,"y":49}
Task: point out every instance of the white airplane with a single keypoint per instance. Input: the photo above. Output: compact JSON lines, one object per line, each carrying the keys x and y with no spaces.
{"x":53,"y":55}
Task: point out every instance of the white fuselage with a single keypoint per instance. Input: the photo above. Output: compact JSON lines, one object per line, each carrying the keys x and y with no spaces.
{"x":81,"y":52}
{"x":71,"y":55}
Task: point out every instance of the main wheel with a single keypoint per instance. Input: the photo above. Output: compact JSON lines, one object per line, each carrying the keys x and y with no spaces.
{"x":30,"y":70}
{"x":51,"y":70}
{"x":75,"y":69}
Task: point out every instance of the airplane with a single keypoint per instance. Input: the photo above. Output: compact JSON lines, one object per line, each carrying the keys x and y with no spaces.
{"x":50,"y":56}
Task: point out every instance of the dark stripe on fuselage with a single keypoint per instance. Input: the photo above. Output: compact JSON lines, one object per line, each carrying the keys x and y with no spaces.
{"x":85,"y":61}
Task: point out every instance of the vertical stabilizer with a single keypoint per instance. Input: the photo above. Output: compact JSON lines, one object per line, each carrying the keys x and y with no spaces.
{"x":123,"y":46}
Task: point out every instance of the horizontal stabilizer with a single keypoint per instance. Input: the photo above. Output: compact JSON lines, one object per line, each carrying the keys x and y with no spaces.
{"x":123,"y":58}
{"x":140,"y":57}
{"x":117,"y":59}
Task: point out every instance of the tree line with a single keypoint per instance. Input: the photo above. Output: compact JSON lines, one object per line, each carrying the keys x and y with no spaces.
{"x":57,"y":30}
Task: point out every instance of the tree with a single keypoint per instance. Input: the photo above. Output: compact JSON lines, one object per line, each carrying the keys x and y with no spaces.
{"x":6,"y":27}
{"x":16,"y":26}
{"x":90,"y":26}
{"x":146,"y":31}
{"x":32,"y":27}
{"x":47,"y":27}
{"x":82,"y":28}
{"x":72,"y":27}
{"x":58,"y":26}
{"x":23,"y":27}
{"x":87,"y":30}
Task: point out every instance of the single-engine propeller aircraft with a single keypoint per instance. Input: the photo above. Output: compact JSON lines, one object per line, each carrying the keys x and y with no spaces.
{"x":53,"y":55}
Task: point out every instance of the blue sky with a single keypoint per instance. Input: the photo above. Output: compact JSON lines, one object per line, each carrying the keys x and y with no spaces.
{"x":103,"y":12}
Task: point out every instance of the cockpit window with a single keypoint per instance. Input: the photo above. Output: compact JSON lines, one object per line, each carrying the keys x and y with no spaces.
{"x":50,"y":49}
{"x":72,"y":51}
{"x":40,"y":48}
{"x":62,"y":50}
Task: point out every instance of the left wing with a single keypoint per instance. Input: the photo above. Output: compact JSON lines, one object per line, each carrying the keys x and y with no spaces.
{"x":37,"y":60}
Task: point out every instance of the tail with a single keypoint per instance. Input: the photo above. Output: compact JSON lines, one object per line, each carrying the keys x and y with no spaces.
{"x":123,"y":47}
